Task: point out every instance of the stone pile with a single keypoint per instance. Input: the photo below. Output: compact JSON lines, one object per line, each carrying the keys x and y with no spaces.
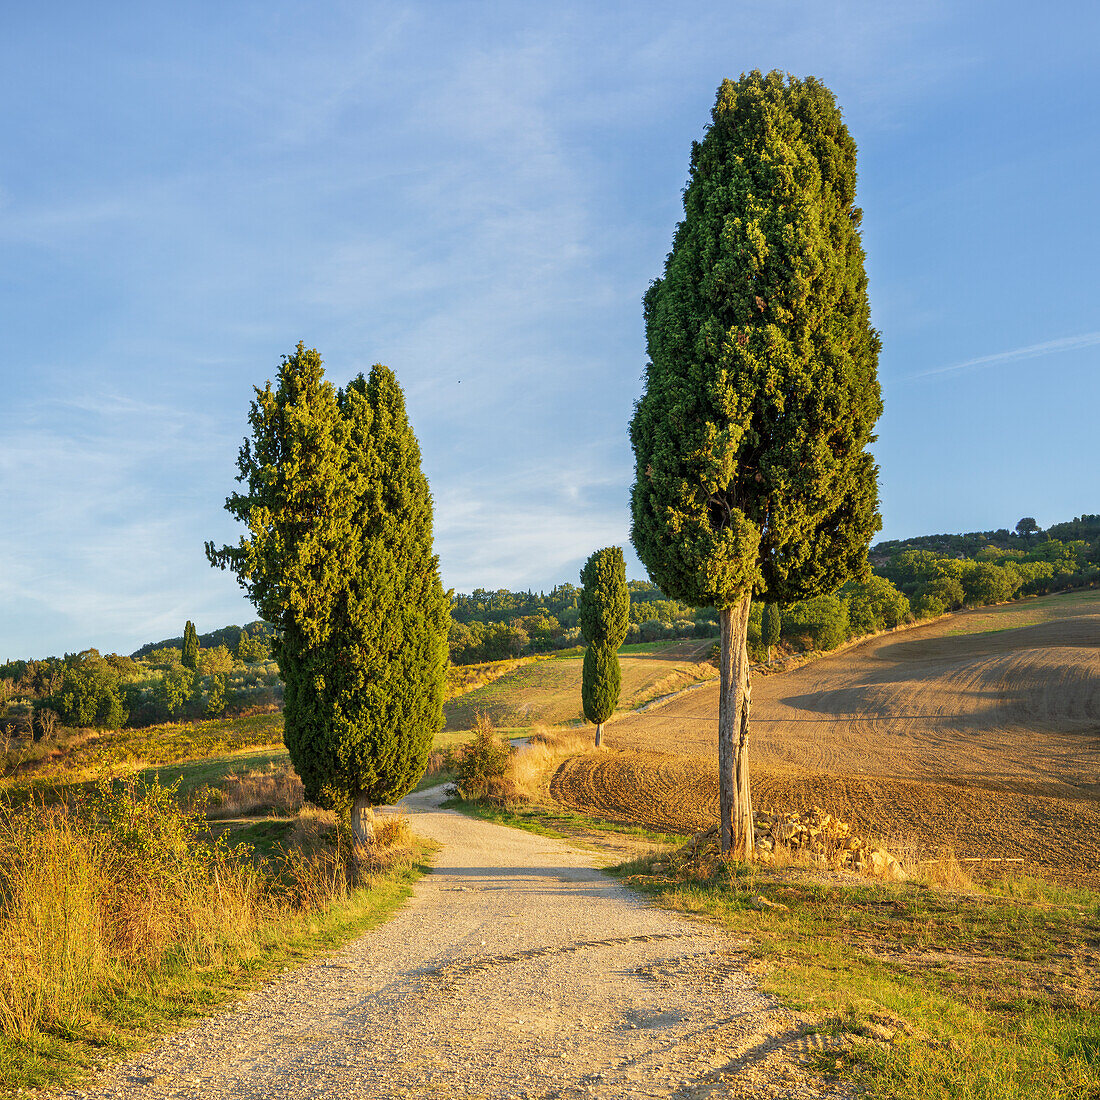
{"x":811,"y":835}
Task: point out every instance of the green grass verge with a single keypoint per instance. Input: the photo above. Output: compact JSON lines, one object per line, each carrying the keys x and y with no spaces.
{"x":556,"y":822}
{"x":992,"y":994}
{"x":175,"y":995}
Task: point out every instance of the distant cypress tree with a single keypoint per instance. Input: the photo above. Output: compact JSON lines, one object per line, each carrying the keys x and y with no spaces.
{"x":770,"y":626}
{"x":604,"y":615}
{"x":190,"y":655}
{"x":752,"y":473}
{"x":340,"y":561}
{"x":601,"y":682}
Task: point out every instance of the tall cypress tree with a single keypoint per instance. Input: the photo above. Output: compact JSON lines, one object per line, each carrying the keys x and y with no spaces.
{"x":340,"y":560}
{"x":761,"y":394}
{"x":604,"y":615}
{"x":189,"y":658}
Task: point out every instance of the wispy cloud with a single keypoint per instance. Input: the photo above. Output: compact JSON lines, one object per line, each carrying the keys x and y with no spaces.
{"x":1031,"y":351}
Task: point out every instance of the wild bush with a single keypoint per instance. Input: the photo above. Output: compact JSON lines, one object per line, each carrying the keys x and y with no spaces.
{"x":480,"y":762}
{"x":99,"y":895}
{"x":105,"y":889}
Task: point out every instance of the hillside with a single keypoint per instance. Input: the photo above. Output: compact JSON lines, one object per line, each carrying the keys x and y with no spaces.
{"x":549,"y":691}
{"x":981,"y":729}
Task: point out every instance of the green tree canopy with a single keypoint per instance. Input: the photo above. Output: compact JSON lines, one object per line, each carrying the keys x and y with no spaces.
{"x":189,"y":655}
{"x":339,"y":559}
{"x":601,"y":682}
{"x":604,"y":601}
{"x":604,"y":618}
{"x":752,"y":472}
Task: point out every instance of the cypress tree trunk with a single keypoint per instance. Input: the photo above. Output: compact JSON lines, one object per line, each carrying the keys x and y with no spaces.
{"x":735,"y":802}
{"x":361,"y":830}
{"x":599,"y":734}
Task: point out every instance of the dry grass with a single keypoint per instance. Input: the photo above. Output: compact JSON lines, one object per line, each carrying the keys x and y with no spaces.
{"x":491,"y":770}
{"x":437,"y":763}
{"x":532,"y":766}
{"x":681,"y":677}
{"x":98,"y":894}
{"x":274,"y":788}
{"x":462,"y":679}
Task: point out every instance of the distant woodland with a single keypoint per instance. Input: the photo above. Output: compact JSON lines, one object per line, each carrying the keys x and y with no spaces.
{"x":232,"y":671}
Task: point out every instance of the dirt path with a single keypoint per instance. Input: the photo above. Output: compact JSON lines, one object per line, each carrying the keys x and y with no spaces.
{"x":517,"y":970}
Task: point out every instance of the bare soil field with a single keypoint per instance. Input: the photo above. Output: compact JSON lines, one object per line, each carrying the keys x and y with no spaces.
{"x":981,"y":730}
{"x":549,"y":692}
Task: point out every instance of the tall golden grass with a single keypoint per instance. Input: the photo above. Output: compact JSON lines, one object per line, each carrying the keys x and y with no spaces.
{"x":273,"y":788}
{"x":97,"y":895}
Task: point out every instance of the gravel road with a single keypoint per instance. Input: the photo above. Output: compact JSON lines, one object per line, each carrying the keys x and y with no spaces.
{"x":516,"y":970}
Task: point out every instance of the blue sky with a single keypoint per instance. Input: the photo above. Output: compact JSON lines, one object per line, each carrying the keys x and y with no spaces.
{"x":478,"y":194}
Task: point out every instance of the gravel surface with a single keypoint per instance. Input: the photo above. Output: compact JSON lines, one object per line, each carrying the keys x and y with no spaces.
{"x":518,"y":970}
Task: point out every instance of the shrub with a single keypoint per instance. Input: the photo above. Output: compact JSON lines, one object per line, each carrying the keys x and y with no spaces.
{"x":107,"y":887}
{"x":823,"y":618}
{"x":89,"y":696}
{"x":928,"y":606}
{"x":481,"y":760}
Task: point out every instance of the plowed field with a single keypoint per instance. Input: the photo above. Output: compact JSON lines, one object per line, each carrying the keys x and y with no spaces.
{"x":981,"y":730}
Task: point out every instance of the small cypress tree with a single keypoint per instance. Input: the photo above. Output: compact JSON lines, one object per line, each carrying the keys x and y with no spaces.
{"x":770,"y":626}
{"x":604,"y":615}
{"x":190,"y":655}
{"x":601,"y":682}
{"x":752,"y":473}
{"x":339,"y":560}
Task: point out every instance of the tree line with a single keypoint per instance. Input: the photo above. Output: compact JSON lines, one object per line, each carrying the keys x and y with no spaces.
{"x":165,"y":682}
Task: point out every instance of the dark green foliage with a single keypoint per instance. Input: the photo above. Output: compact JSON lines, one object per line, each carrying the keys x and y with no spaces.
{"x":601,"y":681}
{"x":340,"y":562}
{"x":986,"y":583}
{"x":604,"y":619}
{"x":821,"y":619}
{"x":215,"y":702}
{"x":873,"y":605}
{"x":770,"y":623}
{"x":89,"y":694}
{"x":176,"y":690}
{"x":492,"y":625}
{"x":481,"y":761}
{"x":943,"y":591}
{"x":228,"y":636}
{"x":604,"y":601}
{"x":1027,"y":526}
{"x":761,"y":394}
{"x":189,"y":654}
{"x":1085,"y":527}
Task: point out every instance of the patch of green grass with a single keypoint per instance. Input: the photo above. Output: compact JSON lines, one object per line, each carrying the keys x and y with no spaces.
{"x":648,"y":649}
{"x":549,"y":691}
{"x":988,"y":995}
{"x":978,"y":628}
{"x":177,"y":994}
{"x":211,"y":772}
{"x":556,"y":822}
{"x":1030,"y":611}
